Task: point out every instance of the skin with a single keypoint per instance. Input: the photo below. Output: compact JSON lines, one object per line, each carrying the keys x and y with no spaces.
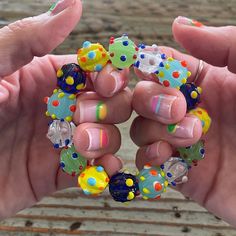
{"x":212,"y":182}
{"x":29,"y":167}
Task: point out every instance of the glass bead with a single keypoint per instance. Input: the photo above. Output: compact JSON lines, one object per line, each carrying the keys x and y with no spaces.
{"x":72,"y":162}
{"x":176,"y":170}
{"x":71,"y":78}
{"x":148,"y":59}
{"x":93,"y":180}
{"x":60,"y":133}
{"x":123,"y":52}
{"x":152,"y":182}
{"x":172,"y":73}
{"x":92,"y":57}
{"x":123,"y":187}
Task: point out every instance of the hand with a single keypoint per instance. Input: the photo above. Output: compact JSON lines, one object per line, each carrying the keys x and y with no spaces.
{"x":29,"y":165}
{"x":212,"y":183}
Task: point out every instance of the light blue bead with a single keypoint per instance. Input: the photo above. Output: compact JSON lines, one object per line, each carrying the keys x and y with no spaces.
{"x":86,"y":44}
{"x":91,"y":181}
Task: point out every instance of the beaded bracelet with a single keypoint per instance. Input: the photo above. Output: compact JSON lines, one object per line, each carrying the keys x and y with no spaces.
{"x":151,"y":181}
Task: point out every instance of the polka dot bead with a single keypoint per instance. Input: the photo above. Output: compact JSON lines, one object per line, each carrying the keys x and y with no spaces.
{"x":92,"y":57}
{"x":61,"y":105}
{"x":152,"y":182}
{"x":191,"y":94}
{"x":149,"y":59}
{"x":123,"y":187}
{"x":204,"y":117}
{"x":70,"y":78}
{"x":72,"y":162}
{"x":93,"y":180}
{"x":192,"y":154}
{"x":176,"y":170}
{"x":173,"y":73}
{"x":60,"y":133}
{"x":123,"y":52}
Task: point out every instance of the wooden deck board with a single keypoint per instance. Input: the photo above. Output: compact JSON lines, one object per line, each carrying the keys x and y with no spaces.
{"x":69,"y":212}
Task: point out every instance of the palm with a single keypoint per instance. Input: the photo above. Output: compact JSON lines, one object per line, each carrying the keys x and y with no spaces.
{"x":213,"y":179}
{"x":29,"y":164}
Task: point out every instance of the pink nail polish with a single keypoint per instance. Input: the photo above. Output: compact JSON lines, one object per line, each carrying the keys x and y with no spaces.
{"x":92,"y":111}
{"x":60,"y":5}
{"x":184,"y":129}
{"x":98,"y":139}
{"x":152,"y":150}
{"x":161,"y":105}
{"x":186,"y":21}
{"x":118,"y":81}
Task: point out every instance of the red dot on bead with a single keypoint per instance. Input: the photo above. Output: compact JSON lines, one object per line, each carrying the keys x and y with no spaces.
{"x":100,"y":49}
{"x":175,"y":74}
{"x":83,"y":59}
{"x":82,"y":175}
{"x":104,"y":54}
{"x":72,"y":108}
{"x":46,"y":100}
{"x":184,"y":63}
{"x":153,"y":172}
{"x":73,"y":174}
{"x":107,"y":180}
{"x":112,"y":54}
{"x":136,"y":48}
{"x":135,"y":57}
{"x":55,"y":103}
{"x":112,"y":38}
{"x":199,"y":112}
{"x":166,"y":83}
{"x":158,"y":197}
{"x":81,"y":167}
{"x":158,"y":187}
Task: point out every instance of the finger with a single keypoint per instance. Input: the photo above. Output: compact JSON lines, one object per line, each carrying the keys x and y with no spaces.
{"x":95,"y":140}
{"x":153,"y":101}
{"x":110,"y":81}
{"x":111,"y":163}
{"x":37,"y":36}
{"x":93,"y":108}
{"x":185,"y":133}
{"x":154,"y":154}
{"x":192,"y":65}
{"x":215,"y":45}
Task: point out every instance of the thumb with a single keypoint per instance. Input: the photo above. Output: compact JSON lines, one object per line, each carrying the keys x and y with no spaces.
{"x":37,"y":36}
{"x":215,"y":45}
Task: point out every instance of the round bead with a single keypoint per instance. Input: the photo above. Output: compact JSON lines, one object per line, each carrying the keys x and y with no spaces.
{"x":92,"y":57}
{"x":72,"y":162}
{"x":122,"y":52}
{"x":204,"y":117}
{"x":152,"y":182}
{"x":61,"y":105}
{"x":123,"y":187}
{"x":93,"y":180}
{"x":191,"y":94}
{"x":176,"y":170}
{"x":148,"y":59}
{"x":192,"y":154}
{"x":71,"y":78}
{"x":60,"y":133}
{"x":172,"y":71}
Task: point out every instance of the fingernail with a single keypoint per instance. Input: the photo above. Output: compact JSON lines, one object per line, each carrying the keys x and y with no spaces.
{"x":118,"y":81}
{"x":92,"y":111}
{"x":184,"y":129}
{"x":60,"y":5}
{"x":186,"y":21}
{"x":98,"y":139}
{"x":152,"y":150}
{"x":161,"y":105}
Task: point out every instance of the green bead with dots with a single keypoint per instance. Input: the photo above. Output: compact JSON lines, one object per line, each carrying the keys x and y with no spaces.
{"x":72,"y":162}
